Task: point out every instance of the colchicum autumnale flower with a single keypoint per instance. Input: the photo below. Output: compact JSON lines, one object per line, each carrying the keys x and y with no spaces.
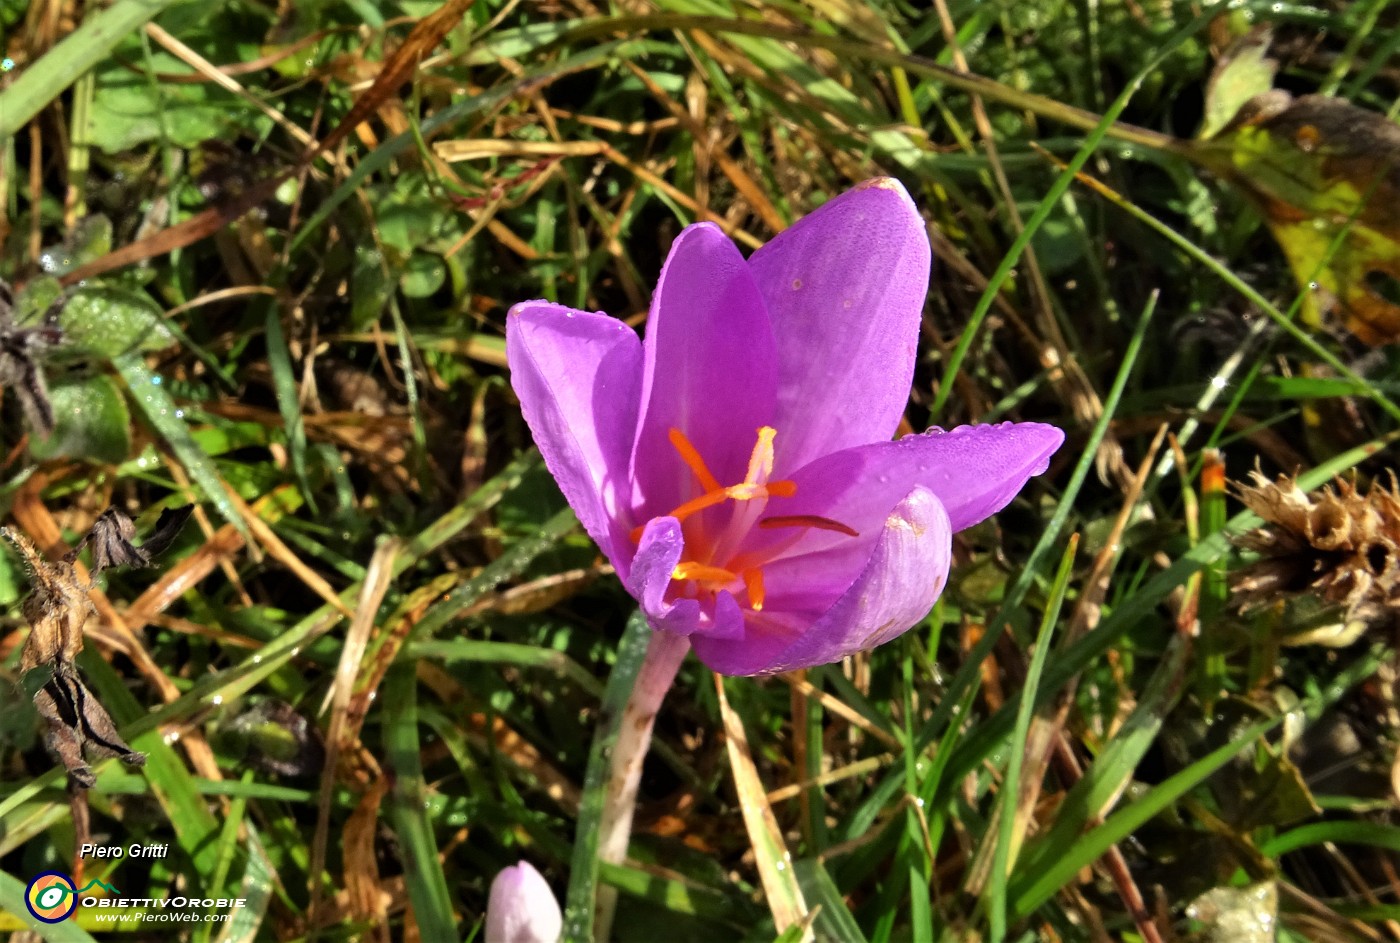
{"x":736,"y":466}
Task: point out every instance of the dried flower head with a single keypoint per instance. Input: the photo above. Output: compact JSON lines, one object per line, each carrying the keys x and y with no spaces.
{"x":1338,"y":545}
{"x":57,"y":609}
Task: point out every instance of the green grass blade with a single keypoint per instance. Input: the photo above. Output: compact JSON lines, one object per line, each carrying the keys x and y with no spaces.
{"x":1373,"y":834}
{"x":1007,"y":840}
{"x":1090,"y":799}
{"x":583,"y":872}
{"x":834,"y":921}
{"x":1030,"y":891}
{"x":61,"y":66}
{"x":427,"y":885}
{"x":152,"y":399}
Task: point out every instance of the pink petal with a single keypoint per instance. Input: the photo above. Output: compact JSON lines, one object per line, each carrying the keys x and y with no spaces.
{"x":845,"y":290}
{"x":710,"y":369}
{"x":649,"y":578}
{"x":522,"y":908}
{"x":578,"y":376}
{"x":974,"y":470}
{"x":897,"y":587}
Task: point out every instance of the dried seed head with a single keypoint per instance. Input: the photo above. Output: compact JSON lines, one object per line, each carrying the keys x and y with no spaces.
{"x":1339,"y":545}
{"x":57,"y":608}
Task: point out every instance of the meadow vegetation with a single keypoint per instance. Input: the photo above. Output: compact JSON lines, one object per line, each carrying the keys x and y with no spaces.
{"x":264,"y":253}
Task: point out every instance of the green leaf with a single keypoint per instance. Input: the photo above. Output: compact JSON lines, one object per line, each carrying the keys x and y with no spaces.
{"x":107,"y":321}
{"x":424,"y":275}
{"x":91,"y":421}
{"x":1243,"y":72}
{"x":1237,"y":914}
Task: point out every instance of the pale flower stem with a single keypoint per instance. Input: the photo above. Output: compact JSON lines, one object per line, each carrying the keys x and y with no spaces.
{"x":664,"y":655}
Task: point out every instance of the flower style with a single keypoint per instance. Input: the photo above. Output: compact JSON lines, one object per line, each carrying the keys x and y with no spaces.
{"x":736,"y":466}
{"x":522,"y":908}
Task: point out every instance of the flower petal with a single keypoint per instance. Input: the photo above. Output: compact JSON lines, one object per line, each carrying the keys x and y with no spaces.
{"x":974,"y":470}
{"x":710,"y":369}
{"x":897,"y":587}
{"x":578,"y":376}
{"x":845,"y":290}
{"x":658,"y":552}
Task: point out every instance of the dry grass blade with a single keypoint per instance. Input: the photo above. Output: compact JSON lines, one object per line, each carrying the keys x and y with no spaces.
{"x":859,"y":768}
{"x":840,"y":708}
{"x":366,"y":897}
{"x":378,"y":577}
{"x":397,"y":70}
{"x":742,"y":181}
{"x":210,"y":71}
{"x":477,"y":148}
{"x":282,"y":553}
{"x":771,"y":856}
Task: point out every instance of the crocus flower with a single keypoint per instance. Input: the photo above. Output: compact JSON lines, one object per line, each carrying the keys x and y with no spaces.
{"x":736,"y":466}
{"x":522,"y":908}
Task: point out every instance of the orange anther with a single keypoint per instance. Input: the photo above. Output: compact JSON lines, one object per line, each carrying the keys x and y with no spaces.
{"x":753,"y":583}
{"x":689,"y":570}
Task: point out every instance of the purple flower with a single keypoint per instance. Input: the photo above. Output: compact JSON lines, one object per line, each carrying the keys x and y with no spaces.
{"x":736,"y":466}
{"x":522,"y":908}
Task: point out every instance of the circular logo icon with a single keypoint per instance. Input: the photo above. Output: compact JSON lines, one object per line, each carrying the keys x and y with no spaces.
{"x":51,"y":897}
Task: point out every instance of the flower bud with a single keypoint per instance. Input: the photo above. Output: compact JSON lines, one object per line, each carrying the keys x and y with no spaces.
{"x":522,"y":908}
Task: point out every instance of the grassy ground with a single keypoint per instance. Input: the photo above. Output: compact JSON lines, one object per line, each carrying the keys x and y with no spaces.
{"x":290,"y":235}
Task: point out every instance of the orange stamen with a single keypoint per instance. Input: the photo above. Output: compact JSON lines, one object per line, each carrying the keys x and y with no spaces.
{"x":754,"y":487}
{"x":808,"y":520}
{"x":755,"y":484}
{"x":689,"y":570}
{"x":691,"y":456}
{"x":753,"y":583}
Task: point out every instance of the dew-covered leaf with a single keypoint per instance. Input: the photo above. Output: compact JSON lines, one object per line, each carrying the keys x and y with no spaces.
{"x":108,"y":321}
{"x":91,"y":421}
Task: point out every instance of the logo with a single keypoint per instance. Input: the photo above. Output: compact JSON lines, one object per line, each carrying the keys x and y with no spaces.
{"x":52,"y":898}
